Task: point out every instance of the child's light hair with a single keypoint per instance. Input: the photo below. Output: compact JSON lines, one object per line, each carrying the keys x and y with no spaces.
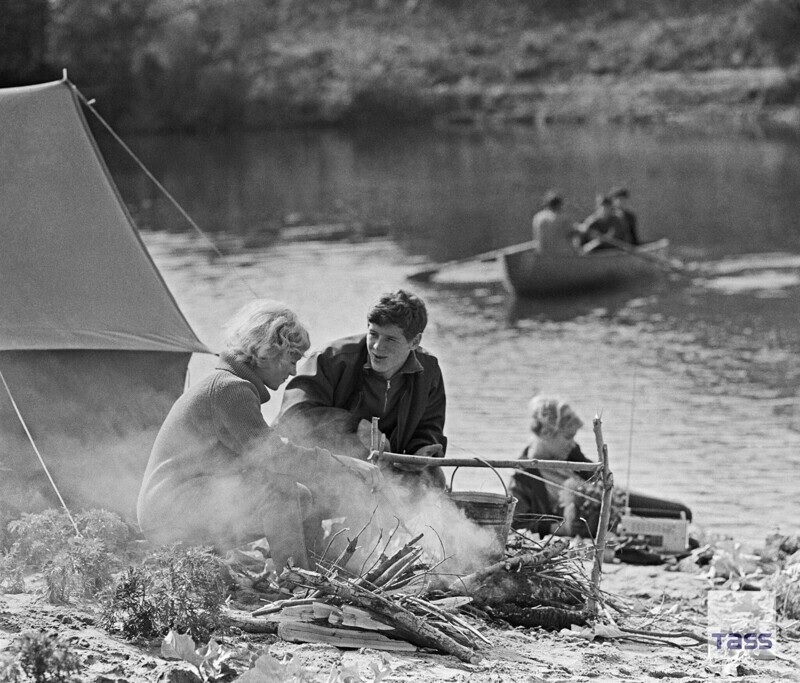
{"x":265,"y":329}
{"x":553,"y":417}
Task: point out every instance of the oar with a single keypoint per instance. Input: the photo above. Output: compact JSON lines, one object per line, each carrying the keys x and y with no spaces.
{"x":673,"y":265}
{"x":428,"y":273}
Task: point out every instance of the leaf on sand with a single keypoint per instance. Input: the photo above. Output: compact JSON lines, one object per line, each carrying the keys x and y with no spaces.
{"x":267,"y":669}
{"x":380,"y":673}
{"x":177,"y":646}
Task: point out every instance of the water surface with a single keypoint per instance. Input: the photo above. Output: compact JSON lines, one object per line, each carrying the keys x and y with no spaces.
{"x":694,"y":378}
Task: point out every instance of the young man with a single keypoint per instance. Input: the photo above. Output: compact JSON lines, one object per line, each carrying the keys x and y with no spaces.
{"x":602,"y":222}
{"x":549,"y":231}
{"x":383,"y":373}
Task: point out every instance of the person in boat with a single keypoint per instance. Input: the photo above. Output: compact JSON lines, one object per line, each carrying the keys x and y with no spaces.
{"x":382,"y":374}
{"x":602,"y":222}
{"x":549,"y":231}
{"x":619,"y":198}
{"x":564,"y":502}
{"x":219,"y":475}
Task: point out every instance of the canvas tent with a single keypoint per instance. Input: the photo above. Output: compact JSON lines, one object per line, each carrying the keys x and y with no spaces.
{"x":93,"y":346}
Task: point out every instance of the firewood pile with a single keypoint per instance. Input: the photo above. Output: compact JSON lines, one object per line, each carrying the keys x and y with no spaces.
{"x":399,"y":602}
{"x":535,"y":585}
{"x":383,"y":607}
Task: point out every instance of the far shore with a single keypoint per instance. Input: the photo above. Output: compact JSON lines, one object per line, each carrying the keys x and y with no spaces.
{"x":723,"y":99}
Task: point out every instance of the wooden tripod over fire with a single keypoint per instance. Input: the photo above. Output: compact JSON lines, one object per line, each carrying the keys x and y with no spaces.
{"x":606,"y":477}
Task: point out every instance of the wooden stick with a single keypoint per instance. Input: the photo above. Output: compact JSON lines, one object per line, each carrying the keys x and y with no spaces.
{"x":525,"y":464}
{"x":278,"y":605}
{"x":451,"y":616}
{"x":383,"y":564}
{"x":463,"y":585}
{"x":414,"y":628}
{"x":672,"y":265}
{"x":398,"y":567}
{"x":340,"y":637}
{"x":248,"y":623}
{"x":605,"y":514}
{"x":426,"y":274}
{"x":701,"y":640}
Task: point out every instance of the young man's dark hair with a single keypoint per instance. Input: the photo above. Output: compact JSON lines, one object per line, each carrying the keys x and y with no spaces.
{"x":401,"y":308}
{"x":383,"y":373}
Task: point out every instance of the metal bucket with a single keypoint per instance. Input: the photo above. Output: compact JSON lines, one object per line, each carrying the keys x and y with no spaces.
{"x":493,"y":511}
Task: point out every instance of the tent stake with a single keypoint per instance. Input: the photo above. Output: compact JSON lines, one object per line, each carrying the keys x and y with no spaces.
{"x":39,"y":455}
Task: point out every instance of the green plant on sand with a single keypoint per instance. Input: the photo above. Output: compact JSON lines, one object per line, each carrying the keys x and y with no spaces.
{"x":179,"y":588}
{"x":38,"y":657}
{"x":74,"y":563}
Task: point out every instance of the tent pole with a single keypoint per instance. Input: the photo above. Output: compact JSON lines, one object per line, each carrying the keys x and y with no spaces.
{"x":38,"y":454}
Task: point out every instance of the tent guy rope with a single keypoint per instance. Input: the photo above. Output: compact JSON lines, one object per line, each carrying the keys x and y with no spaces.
{"x":89,"y":105}
{"x":38,"y":454}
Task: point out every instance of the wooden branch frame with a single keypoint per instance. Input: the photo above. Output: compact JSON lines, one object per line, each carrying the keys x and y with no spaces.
{"x":607,"y":479}
{"x":605,"y":513}
{"x":402,"y":459}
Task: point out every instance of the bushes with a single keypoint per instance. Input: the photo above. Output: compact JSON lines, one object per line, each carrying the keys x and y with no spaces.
{"x":38,"y":657}
{"x":179,"y":588}
{"x":72,"y":565}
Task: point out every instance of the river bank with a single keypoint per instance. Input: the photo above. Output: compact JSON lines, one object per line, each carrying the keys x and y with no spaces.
{"x":581,"y":70}
{"x":725,"y":99}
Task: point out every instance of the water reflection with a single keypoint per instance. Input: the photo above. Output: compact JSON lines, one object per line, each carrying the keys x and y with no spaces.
{"x":562,"y":308}
{"x":449,"y":195}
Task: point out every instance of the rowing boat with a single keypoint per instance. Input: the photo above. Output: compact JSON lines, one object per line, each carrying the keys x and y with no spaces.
{"x":529,"y":273}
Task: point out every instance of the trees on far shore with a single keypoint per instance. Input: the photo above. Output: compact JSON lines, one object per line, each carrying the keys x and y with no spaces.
{"x":221,"y":64}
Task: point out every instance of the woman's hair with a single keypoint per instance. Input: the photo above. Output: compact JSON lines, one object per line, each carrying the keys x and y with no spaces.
{"x":551,"y":417}
{"x":401,"y":308}
{"x":264,"y":329}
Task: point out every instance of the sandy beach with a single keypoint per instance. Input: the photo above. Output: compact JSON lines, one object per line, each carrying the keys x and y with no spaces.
{"x":665,"y":608}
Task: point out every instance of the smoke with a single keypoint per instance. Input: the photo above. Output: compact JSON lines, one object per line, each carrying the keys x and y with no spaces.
{"x":96,"y":472}
{"x":453,"y":543}
{"x":92,"y":415}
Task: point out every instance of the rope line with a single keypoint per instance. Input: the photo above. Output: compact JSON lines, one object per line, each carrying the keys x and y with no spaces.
{"x":39,"y":455}
{"x":162,"y":189}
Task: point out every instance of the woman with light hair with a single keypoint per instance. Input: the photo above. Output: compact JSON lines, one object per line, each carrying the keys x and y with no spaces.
{"x":219,"y":475}
{"x":552,"y":501}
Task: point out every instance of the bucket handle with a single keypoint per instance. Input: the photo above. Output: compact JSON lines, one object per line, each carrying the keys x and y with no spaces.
{"x":494,"y":469}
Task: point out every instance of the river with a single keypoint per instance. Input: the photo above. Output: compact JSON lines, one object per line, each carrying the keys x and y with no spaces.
{"x":695,"y":379}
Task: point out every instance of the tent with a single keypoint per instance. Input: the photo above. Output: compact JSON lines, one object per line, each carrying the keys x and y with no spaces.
{"x":93,"y":347}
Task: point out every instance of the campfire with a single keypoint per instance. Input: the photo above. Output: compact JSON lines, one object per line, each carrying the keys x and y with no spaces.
{"x":402,"y":602}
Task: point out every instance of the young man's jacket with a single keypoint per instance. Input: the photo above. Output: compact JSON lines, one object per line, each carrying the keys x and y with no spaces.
{"x":333,"y":379}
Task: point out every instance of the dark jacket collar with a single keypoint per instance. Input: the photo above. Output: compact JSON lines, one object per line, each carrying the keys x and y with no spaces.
{"x":409,"y":366}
